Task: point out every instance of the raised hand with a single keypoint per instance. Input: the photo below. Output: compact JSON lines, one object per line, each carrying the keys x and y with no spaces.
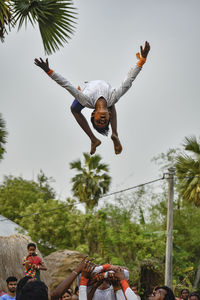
{"x":81,"y":265}
{"x":144,"y":52}
{"x":119,"y":274}
{"x":42,"y":64}
{"x":87,"y":269}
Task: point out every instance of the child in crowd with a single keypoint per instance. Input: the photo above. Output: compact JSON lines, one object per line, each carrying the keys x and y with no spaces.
{"x":33,"y":263}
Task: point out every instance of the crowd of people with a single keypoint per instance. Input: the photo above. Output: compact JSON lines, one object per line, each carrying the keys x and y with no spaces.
{"x":93,"y":282}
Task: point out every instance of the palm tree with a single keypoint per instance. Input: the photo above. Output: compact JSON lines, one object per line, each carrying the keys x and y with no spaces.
{"x":5,"y":18}
{"x":92,"y":180}
{"x":3,"y":134}
{"x":55,"y":18}
{"x":188,"y":171}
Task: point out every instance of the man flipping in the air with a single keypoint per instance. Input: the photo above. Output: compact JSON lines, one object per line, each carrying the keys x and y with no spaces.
{"x":101,"y":97}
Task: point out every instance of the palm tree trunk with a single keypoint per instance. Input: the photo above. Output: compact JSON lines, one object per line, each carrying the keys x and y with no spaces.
{"x":197,"y":278}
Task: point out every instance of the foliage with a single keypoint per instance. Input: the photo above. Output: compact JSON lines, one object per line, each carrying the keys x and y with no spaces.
{"x":188,"y":171}
{"x":5,"y":18}
{"x":55,"y":18}
{"x":51,"y":219}
{"x":129,"y":230}
{"x":3,"y":135}
{"x":16,"y":194}
{"x":92,"y":180}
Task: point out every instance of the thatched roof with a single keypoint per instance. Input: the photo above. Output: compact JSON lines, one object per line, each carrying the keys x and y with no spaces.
{"x":13,"y":248}
{"x":63,"y":262}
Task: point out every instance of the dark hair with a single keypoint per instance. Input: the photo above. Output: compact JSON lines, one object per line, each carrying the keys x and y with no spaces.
{"x":34,"y":290}
{"x":68,"y":292}
{"x":195,"y":294}
{"x":76,"y":289}
{"x":169,"y":295}
{"x":101,"y":130}
{"x":21,"y":284}
{"x":31,"y":245}
{"x":185,"y":290}
{"x":11,"y":279}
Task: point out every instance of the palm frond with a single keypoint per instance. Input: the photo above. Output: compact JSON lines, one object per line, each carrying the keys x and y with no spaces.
{"x":191,"y":144}
{"x":5,"y":18}
{"x":55,"y":18}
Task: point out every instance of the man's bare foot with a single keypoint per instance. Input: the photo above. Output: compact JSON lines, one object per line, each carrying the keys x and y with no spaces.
{"x":117,"y":144}
{"x":94,"y":145}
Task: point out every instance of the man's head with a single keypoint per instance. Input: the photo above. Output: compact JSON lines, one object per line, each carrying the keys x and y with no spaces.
{"x":67,"y":295}
{"x":31,"y":248}
{"x":34,"y":290}
{"x":134,"y":289}
{"x":100,"y":120}
{"x":185,"y":294}
{"x":21,"y":283}
{"x":194,"y":296}
{"x":11,"y":284}
{"x":163,"y":293}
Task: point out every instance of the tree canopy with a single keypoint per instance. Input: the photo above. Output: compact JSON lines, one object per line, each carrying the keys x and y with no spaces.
{"x":188,"y":170}
{"x":130,"y":230}
{"x":92,"y":180}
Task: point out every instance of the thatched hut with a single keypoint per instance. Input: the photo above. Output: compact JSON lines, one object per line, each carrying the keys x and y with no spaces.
{"x":63,"y":262}
{"x":12,"y":249}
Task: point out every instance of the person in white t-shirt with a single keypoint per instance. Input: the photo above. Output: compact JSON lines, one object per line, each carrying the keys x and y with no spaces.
{"x":100,"y":96}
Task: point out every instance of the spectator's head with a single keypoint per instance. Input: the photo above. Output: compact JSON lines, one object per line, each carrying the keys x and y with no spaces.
{"x":31,"y":248}
{"x":67,"y":295}
{"x":184,"y":294}
{"x":163,"y":293}
{"x":11,"y":284}
{"x":134,"y":289}
{"x":194,"y":296}
{"x":34,"y":290}
{"x":22,"y":283}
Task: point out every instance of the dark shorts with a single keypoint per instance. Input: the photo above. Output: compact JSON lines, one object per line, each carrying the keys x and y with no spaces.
{"x":77,"y":107}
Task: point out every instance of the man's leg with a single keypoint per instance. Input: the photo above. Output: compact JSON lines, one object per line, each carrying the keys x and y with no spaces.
{"x":84,"y":125}
{"x":114,"y":136}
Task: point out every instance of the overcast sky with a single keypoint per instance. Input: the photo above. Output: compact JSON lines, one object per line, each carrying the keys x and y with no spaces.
{"x":161,"y":108}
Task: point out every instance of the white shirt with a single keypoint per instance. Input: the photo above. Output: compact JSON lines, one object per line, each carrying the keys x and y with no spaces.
{"x":104,"y":294}
{"x":93,"y":90}
{"x":107,"y":294}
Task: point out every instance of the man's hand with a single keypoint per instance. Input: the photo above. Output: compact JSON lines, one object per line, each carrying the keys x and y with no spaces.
{"x":42,"y":64}
{"x":114,"y":282}
{"x":144,"y":52}
{"x":87,"y":270}
{"x":119,"y":274}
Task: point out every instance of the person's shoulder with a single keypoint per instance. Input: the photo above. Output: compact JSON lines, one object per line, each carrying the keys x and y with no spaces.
{"x":4,"y":297}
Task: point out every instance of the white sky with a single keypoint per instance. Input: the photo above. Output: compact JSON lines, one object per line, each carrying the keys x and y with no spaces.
{"x":160,"y":109}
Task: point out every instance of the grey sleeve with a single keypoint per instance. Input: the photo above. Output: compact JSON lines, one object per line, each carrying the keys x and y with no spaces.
{"x":82,"y":99}
{"x":126,"y":83}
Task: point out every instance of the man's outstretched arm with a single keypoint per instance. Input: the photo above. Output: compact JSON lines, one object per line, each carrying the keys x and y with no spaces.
{"x":132,"y":74}
{"x":44,"y":65}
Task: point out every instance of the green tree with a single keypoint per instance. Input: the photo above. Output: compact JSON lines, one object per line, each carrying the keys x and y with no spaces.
{"x":55,"y":18}
{"x":52,"y":224}
{"x":188,"y":170}
{"x":186,"y":259}
{"x":17,"y":193}
{"x":92,"y":180}
{"x":3,"y":135}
